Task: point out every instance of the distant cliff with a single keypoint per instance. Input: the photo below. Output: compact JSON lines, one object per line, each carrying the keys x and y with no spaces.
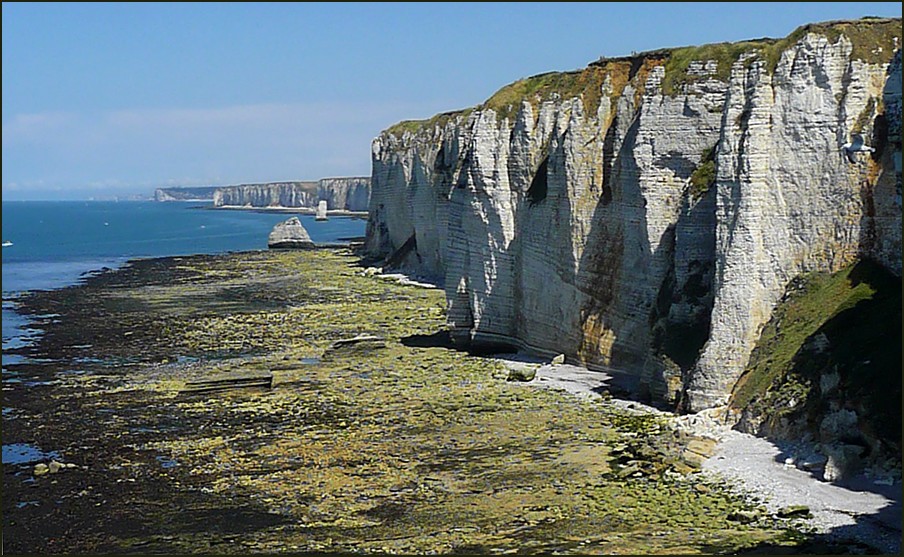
{"x":647,"y":213}
{"x":343,"y":194}
{"x":271,"y":194}
{"x":204,"y":193}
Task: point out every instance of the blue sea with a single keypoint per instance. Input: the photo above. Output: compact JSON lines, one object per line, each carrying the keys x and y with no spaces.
{"x":54,"y":243}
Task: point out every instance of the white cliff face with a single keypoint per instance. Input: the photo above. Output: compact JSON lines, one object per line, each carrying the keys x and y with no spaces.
{"x":348,"y":194}
{"x":275,"y":194}
{"x":202,"y":193}
{"x":569,"y":226}
{"x":344,"y":194}
{"x":787,"y":201}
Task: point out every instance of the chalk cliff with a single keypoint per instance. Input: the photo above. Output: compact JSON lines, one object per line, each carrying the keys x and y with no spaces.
{"x":201,"y":193}
{"x":344,"y":194}
{"x":645,"y":214}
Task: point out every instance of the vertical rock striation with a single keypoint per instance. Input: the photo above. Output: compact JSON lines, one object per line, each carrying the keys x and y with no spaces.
{"x":645,"y":214}
{"x":347,"y":194}
{"x":273,"y":194}
{"x":342,"y":194}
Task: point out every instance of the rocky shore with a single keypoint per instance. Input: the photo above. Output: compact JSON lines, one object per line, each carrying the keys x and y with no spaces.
{"x":293,"y":402}
{"x":781,"y":477}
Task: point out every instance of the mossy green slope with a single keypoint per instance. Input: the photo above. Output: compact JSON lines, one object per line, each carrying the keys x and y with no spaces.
{"x":847,"y":323}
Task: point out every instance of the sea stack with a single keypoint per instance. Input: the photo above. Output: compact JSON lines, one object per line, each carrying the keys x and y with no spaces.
{"x":290,"y":235}
{"x":321,"y":210}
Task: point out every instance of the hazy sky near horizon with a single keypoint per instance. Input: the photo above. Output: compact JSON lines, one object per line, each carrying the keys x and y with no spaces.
{"x":119,"y":98}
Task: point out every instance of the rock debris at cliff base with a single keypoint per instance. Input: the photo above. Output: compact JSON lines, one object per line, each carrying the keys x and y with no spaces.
{"x":396,"y":447}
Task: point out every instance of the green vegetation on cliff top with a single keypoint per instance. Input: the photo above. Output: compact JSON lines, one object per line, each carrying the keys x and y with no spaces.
{"x":586,"y":84}
{"x":872,"y":40}
{"x":440,"y":120}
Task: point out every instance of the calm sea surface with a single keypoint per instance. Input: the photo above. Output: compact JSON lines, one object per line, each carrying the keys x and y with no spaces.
{"x":55,"y":242}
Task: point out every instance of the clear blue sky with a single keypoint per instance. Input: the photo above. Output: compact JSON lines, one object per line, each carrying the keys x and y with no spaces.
{"x":103,"y":99}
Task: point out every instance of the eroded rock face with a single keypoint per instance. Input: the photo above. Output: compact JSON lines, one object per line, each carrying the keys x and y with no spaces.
{"x":275,"y":194}
{"x":348,"y":194}
{"x":787,"y":203}
{"x":343,"y":194}
{"x":290,"y":234}
{"x":647,"y":229}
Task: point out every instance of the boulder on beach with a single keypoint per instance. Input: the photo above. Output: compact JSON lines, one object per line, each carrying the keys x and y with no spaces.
{"x":524,"y":374}
{"x":290,"y":234}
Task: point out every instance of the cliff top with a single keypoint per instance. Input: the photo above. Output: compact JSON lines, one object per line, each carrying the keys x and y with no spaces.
{"x":304,"y":184}
{"x":872,"y":39}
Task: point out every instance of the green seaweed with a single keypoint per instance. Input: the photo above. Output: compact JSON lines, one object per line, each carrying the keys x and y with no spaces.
{"x":398,"y":446}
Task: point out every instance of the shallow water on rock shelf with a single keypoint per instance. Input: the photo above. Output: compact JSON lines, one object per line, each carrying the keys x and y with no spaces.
{"x":23,"y":453}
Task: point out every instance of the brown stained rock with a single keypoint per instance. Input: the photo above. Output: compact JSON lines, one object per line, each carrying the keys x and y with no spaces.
{"x":698,"y":450}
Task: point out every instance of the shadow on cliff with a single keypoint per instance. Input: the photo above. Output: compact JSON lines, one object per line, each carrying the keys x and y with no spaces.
{"x":626,"y":324}
{"x":880,"y":192}
{"x":616,"y":244}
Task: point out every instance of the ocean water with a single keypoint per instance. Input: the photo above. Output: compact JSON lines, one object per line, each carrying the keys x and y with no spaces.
{"x":55,"y":242}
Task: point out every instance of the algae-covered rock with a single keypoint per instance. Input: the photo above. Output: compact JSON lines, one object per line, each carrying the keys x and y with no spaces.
{"x":522,"y":374}
{"x":629,"y":470}
{"x":392,"y":443}
{"x":794,"y":511}
{"x":359,"y":345}
{"x":357,"y":341}
{"x":744,"y":516}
